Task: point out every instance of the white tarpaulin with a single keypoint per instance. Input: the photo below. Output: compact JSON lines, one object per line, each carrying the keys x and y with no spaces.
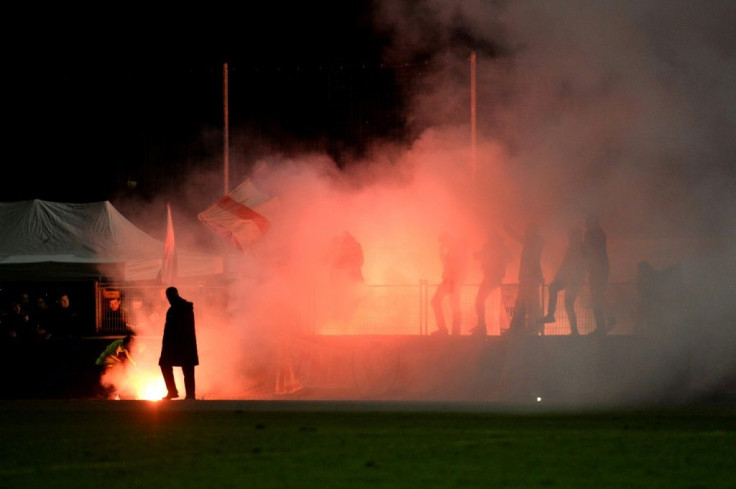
{"x":42,"y":240}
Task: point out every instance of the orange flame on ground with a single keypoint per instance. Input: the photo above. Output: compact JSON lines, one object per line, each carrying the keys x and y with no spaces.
{"x":148,"y":387}
{"x":136,"y":384}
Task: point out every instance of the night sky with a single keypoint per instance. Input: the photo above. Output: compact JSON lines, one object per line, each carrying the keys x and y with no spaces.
{"x":579,"y":104}
{"x":89,"y":104}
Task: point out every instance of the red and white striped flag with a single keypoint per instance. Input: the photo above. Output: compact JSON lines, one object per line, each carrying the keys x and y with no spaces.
{"x":240,"y":216}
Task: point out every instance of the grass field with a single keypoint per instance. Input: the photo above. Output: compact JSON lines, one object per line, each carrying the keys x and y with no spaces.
{"x":296,"y":444}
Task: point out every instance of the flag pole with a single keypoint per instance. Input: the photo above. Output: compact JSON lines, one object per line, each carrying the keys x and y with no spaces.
{"x":473,"y":153}
{"x":226,"y":138}
{"x":226,"y":148}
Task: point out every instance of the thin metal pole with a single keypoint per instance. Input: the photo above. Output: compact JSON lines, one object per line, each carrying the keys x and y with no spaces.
{"x":226,"y":138}
{"x":473,"y":154}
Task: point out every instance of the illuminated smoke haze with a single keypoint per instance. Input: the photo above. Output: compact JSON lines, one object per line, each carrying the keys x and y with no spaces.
{"x":625,"y":110}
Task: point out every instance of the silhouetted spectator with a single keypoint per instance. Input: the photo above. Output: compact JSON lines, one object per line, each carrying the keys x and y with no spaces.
{"x":64,"y":349}
{"x":527,"y":309}
{"x":452,"y":256}
{"x":18,"y":324}
{"x":65,"y":321}
{"x":345,"y":276}
{"x":570,"y":277}
{"x":42,"y":317}
{"x":346,"y":263}
{"x":494,"y":257}
{"x":16,"y":371}
{"x":115,"y":317}
{"x":26,"y":305}
{"x":596,"y":255}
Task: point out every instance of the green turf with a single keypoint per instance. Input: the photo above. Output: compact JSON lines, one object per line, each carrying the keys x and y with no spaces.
{"x":109,"y":444}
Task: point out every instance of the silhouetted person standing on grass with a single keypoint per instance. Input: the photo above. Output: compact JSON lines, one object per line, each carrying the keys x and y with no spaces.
{"x":179,"y":345}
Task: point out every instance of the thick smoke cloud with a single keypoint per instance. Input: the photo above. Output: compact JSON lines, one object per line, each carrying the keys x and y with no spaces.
{"x":621,"y":109}
{"x":624,"y":110}
{"x":590,"y":99}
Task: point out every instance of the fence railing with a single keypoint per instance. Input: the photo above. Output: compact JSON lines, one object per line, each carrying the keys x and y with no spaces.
{"x":372,"y":310}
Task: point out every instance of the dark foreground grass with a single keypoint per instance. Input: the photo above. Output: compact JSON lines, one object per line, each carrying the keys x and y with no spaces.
{"x":207,"y":444}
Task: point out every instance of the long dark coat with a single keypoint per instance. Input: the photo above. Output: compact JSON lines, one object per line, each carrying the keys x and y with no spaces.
{"x":179,"y":344}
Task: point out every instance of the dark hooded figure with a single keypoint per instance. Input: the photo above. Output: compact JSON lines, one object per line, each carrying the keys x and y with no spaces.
{"x":596,"y":252}
{"x":179,"y":345}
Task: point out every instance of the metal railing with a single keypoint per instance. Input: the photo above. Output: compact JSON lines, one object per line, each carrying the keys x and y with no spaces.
{"x":372,"y":310}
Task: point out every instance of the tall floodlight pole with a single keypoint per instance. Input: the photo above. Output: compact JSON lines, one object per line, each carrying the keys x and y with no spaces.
{"x":226,"y":137}
{"x":473,"y":155}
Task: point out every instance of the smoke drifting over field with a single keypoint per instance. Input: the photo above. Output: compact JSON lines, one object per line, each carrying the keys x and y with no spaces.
{"x":623,"y":110}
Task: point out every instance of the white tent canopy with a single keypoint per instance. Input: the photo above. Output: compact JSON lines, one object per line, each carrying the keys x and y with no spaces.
{"x":51,"y":240}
